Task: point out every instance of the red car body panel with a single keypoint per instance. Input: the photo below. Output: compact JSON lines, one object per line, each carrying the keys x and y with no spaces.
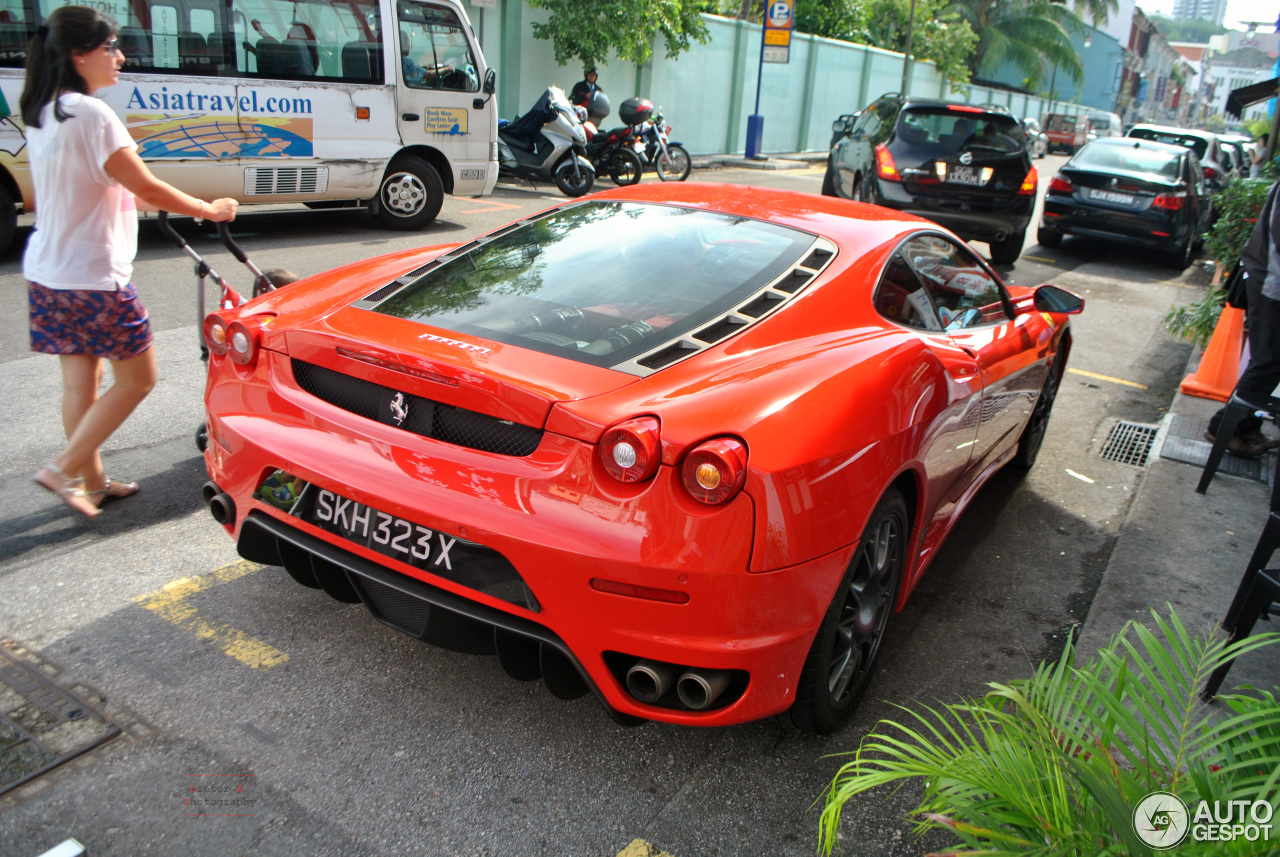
{"x":833,"y":403}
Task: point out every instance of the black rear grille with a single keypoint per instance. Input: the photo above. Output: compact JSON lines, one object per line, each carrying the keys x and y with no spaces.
{"x":668,"y":355}
{"x":421,"y":416}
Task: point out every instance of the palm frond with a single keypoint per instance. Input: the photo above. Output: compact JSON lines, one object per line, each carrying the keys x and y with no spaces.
{"x":1054,"y":764}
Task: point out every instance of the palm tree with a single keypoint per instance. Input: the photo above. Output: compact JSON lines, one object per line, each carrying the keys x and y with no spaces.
{"x":1034,"y":35}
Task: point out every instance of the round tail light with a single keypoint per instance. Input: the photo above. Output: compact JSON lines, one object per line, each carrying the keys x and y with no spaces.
{"x":630,"y":451}
{"x":215,"y":333}
{"x":242,"y":342}
{"x":716,"y":470}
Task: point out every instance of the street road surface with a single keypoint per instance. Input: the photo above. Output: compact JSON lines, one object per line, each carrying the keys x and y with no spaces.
{"x":351,"y":739}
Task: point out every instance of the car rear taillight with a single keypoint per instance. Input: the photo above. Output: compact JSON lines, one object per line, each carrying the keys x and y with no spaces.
{"x":1170,"y":201}
{"x":242,"y":341}
{"x":714,"y":471}
{"x":1210,"y":173}
{"x":1060,"y":185}
{"x":215,"y":333}
{"x":630,"y":451}
{"x":1031,"y":183}
{"x":885,"y":167}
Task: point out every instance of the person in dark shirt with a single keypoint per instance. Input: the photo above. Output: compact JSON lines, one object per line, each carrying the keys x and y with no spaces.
{"x":584,"y":90}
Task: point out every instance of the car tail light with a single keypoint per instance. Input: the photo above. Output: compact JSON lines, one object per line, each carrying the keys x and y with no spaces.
{"x":1210,"y":173}
{"x":242,"y":341}
{"x":1060,"y":185}
{"x":215,"y":333}
{"x":1031,"y":183}
{"x":630,"y":451}
{"x":885,"y":167}
{"x":716,"y":470}
{"x":1170,"y":201}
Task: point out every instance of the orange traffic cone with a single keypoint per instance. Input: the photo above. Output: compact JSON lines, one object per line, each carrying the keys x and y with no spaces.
{"x":1220,"y":365}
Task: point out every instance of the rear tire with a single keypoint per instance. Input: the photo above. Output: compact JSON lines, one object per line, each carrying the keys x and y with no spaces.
{"x":1006,"y":252}
{"x":843,"y":654}
{"x":410,"y":195}
{"x":8,"y":220}
{"x":624,"y":167}
{"x":1048,"y":237}
{"x":1182,"y":255}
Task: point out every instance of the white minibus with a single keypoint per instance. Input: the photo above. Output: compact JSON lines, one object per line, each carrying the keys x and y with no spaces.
{"x":384,"y":103}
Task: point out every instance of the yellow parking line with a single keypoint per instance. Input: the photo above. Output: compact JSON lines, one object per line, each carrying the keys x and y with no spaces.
{"x":1109,"y":378}
{"x":170,"y":604}
{"x":640,"y":848}
{"x":1039,"y":258}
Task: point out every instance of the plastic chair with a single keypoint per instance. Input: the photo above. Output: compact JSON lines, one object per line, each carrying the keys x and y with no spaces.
{"x":1235,"y":411}
{"x":1255,"y":598}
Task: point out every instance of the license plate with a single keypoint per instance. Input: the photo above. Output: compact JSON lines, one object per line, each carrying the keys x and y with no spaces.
{"x":960,"y":174}
{"x":466,"y":175}
{"x":429,"y":550}
{"x":1111,"y":196}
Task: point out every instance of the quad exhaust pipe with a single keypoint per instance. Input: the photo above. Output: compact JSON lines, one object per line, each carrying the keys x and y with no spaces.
{"x":697,"y":689}
{"x":221,"y":506}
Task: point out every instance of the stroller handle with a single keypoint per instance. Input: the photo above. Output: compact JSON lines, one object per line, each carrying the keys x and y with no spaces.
{"x":163,"y":218}
{"x":224,"y":233}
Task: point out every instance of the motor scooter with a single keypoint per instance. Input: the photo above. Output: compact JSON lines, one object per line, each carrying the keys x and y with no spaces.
{"x":547,"y":143}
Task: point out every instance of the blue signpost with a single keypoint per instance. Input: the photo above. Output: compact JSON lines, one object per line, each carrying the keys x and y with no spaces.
{"x":775,"y":46}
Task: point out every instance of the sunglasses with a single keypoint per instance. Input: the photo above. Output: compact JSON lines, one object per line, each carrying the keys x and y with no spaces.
{"x":111,"y":45}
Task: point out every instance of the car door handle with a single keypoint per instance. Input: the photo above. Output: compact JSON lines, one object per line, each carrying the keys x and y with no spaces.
{"x":410,"y":117}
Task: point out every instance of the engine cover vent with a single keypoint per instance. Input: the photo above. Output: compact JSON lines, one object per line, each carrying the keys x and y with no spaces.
{"x":268,"y":181}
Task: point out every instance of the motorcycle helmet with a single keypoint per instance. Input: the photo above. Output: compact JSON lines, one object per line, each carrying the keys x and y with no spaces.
{"x":599,"y":106}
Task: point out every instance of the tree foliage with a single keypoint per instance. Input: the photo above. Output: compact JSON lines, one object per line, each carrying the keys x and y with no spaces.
{"x":591,"y":32}
{"x":1053,"y":765}
{"x":1187,"y":31}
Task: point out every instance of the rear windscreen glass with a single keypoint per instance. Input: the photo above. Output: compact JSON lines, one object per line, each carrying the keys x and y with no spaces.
{"x":1187,"y":141}
{"x":1130,"y":159}
{"x":944,"y":131}
{"x":602,"y":282}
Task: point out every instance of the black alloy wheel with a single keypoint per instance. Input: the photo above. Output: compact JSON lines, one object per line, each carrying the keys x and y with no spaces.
{"x":1007,"y":250}
{"x":843,"y":654}
{"x":624,"y":167}
{"x":574,"y":181}
{"x":1034,"y":431}
{"x":1182,"y":254}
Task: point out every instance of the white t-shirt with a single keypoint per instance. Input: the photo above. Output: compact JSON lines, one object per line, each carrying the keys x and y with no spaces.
{"x":86,"y":231}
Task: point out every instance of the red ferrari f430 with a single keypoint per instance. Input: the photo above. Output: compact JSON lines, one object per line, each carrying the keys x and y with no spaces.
{"x":684,"y":447}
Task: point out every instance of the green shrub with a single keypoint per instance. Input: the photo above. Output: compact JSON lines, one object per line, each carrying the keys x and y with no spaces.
{"x":1237,"y":206}
{"x":1056,"y":764}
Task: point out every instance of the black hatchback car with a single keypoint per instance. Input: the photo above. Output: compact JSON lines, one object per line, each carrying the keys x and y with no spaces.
{"x":1131,"y":190}
{"x":959,"y":165}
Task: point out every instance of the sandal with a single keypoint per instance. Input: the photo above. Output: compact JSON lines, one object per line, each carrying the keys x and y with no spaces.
{"x":52,"y":479}
{"x":113,"y":490}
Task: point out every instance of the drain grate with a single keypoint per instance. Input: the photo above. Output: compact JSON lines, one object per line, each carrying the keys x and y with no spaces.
{"x":1129,"y":443}
{"x":41,"y":724}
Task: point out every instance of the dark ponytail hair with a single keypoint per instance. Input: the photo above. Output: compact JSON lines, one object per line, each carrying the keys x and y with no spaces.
{"x":51,"y":70}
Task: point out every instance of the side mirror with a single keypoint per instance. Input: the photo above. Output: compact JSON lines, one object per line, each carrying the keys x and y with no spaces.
{"x":840,"y":126}
{"x":1056,"y":299}
{"x":490,"y":82}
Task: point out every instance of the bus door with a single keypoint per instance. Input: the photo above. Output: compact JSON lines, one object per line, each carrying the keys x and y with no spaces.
{"x":440,"y":104}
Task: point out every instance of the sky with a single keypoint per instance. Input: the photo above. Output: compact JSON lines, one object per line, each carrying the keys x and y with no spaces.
{"x":1237,"y":10}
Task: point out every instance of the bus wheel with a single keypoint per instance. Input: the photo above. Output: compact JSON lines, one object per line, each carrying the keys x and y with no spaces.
{"x":411,"y":194}
{"x":8,"y":220}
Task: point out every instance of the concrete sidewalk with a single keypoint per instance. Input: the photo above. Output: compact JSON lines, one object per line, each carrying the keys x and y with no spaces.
{"x":1186,"y":549}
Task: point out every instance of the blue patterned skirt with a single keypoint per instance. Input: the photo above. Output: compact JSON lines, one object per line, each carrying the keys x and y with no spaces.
{"x":83,"y":321}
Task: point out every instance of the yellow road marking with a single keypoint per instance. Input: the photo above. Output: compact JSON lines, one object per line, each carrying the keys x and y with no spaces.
{"x":1109,"y":378}
{"x":170,"y":604}
{"x":489,"y":205}
{"x":1039,"y":258}
{"x":640,"y":848}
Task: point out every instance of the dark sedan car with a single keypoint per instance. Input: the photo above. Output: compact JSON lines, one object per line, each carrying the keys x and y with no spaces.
{"x":959,"y":165}
{"x":1131,"y":190}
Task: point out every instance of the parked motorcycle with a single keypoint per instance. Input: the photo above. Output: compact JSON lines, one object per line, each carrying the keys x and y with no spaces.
{"x":612,"y":153}
{"x":670,"y":159}
{"x":548,"y":142}
{"x":1037,"y":140}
